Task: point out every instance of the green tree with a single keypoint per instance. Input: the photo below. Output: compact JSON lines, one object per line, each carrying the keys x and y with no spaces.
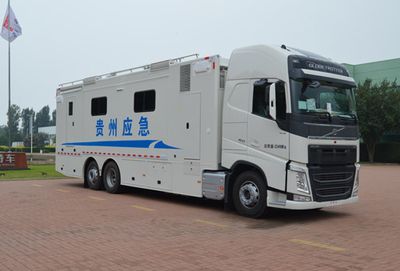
{"x":53,"y":118}
{"x":13,"y":122}
{"x":25,"y":117}
{"x":3,"y":135}
{"x":39,"y":140}
{"x":378,"y":111}
{"x":42,"y":118}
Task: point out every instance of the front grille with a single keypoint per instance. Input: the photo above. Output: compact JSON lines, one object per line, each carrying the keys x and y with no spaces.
{"x":332,"y":177}
{"x":331,"y":182}
{"x":329,"y":192}
{"x":331,"y":155}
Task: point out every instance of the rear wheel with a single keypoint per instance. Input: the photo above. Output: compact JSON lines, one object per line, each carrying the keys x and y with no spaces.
{"x":112,"y":178}
{"x":250,"y":194}
{"x":92,"y":176}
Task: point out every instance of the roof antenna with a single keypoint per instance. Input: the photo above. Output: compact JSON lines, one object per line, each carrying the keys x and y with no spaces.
{"x":283,"y":46}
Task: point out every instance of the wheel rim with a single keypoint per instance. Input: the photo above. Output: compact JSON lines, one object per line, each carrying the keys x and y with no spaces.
{"x":93,"y":175}
{"x":111,"y":177}
{"x":249,"y":194}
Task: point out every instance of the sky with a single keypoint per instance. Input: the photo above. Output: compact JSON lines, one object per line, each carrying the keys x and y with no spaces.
{"x":66,"y":40}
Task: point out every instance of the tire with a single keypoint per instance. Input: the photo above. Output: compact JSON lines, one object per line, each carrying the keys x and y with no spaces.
{"x":250,"y":194}
{"x":92,"y":176}
{"x":112,"y":178}
{"x":316,"y":209}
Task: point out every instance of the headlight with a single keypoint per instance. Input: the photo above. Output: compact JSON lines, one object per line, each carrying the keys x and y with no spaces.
{"x":301,"y":179}
{"x":301,"y":182}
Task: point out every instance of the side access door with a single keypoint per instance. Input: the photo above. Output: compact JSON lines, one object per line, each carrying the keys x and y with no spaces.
{"x":190,"y":125}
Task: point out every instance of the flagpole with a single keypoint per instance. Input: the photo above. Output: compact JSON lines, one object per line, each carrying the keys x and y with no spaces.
{"x":9,"y":79}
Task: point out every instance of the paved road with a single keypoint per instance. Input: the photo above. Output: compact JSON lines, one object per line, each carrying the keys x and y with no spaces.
{"x":58,"y":225}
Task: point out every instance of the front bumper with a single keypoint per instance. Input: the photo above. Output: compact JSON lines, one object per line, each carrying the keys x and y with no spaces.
{"x":308,"y":199}
{"x":277,"y":200}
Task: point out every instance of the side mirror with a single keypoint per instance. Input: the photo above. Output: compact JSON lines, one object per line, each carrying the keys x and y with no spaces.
{"x":272,"y":101}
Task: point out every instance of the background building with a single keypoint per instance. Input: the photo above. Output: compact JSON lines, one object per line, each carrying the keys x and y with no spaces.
{"x":376,"y":71}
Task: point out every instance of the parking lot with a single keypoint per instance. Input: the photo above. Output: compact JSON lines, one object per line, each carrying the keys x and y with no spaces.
{"x":59,"y":225}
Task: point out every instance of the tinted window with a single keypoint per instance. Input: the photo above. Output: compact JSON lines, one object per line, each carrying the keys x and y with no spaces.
{"x":145,"y":101}
{"x":261,"y":99}
{"x":70,"y":108}
{"x":99,"y":106}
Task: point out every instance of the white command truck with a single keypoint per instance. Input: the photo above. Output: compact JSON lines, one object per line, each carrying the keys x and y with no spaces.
{"x":270,"y":127}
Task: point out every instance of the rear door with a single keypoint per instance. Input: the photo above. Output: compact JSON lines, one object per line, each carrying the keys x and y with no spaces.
{"x":71,"y":125}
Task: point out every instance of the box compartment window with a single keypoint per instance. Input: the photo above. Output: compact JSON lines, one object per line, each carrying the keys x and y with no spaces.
{"x":99,"y":106}
{"x":70,"y":108}
{"x":144,"y":101}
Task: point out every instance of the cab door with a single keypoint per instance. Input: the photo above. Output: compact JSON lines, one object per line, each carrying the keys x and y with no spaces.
{"x":267,"y":143}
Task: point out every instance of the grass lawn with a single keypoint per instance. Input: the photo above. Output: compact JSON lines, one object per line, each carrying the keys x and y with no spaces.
{"x":33,"y":173}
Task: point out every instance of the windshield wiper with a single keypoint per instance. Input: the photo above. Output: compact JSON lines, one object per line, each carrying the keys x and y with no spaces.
{"x":348,"y":116}
{"x":323,"y":115}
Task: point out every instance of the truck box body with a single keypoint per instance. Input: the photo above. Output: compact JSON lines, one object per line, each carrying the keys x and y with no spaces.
{"x":164,"y":149}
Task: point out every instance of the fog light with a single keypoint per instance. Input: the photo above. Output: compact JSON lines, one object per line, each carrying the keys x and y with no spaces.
{"x":301,"y":198}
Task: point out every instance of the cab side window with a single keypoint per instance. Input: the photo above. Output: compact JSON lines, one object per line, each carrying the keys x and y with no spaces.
{"x":261,"y":99}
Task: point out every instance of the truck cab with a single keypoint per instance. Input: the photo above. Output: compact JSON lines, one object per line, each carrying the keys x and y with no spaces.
{"x":290,"y":134}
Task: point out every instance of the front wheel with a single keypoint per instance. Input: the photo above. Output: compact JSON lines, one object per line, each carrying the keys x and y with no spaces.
{"x":112,"y":178}
{"x":250,"y":194}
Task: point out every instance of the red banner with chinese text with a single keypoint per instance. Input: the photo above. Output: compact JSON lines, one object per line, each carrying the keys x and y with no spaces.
{"x":13,"y":160}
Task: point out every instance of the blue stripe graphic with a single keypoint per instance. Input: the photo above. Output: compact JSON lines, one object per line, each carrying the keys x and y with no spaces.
{"x":140,"y":144}
{"x":162,"y":145}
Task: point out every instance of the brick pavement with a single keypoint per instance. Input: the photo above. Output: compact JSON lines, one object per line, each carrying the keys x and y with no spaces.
{"x":58,"y":225}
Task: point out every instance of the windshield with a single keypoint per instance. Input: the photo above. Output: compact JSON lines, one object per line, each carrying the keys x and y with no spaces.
{"x":309,"y":96}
